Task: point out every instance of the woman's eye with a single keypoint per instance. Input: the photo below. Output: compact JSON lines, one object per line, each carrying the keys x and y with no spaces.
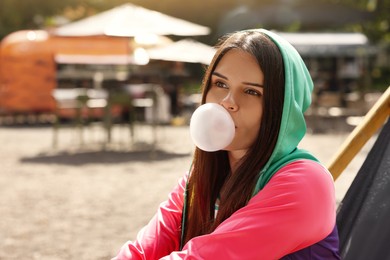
{"x":220,"y":84}
{"x":252,"y":92}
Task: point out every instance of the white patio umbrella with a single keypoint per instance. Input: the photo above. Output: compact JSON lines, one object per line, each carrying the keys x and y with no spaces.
{"x":186,"y":50}
{"x":129,"y":20}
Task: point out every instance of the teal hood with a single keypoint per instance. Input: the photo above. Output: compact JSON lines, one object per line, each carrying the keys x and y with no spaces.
{"x":297,"y":98}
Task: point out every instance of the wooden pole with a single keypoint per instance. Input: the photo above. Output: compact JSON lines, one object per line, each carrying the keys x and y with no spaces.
{"x":373,"y":120}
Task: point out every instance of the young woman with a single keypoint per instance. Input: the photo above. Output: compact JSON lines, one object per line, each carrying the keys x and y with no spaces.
{"x":260,"y":197}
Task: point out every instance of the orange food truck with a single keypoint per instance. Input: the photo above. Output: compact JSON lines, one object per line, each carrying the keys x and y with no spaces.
{"x":29,"y":68}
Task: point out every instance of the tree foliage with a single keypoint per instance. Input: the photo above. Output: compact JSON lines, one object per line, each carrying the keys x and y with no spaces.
{"x":34,"y":14}
{"x":378,"y":27}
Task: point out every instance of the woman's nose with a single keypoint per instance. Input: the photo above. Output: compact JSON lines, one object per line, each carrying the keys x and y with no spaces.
{"x":229,"y":103}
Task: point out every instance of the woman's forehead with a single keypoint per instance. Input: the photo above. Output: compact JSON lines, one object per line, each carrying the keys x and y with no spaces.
{"x":239,"y":62}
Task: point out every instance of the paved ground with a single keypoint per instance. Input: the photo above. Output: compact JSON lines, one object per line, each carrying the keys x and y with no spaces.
{"x":77,"y":202}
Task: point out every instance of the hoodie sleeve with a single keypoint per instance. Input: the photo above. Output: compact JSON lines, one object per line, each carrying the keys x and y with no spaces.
{"x":161,"y":236}
{"x":294,"y":210}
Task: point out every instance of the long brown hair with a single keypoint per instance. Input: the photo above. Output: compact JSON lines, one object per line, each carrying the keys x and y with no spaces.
{"x":210,"y":176}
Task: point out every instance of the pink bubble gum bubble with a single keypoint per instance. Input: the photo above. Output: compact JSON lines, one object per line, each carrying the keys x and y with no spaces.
{"x":211,"y":127}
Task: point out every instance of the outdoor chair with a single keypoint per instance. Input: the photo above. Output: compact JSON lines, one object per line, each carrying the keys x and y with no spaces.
{"x":79,"y":105}
{"x":145,"y":98}
{"x":363,"y":214}
{"x":119,"y":99}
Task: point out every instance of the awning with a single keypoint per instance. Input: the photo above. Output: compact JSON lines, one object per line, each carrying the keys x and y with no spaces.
{"x":93,"y":59}
{"x":328,"y":44}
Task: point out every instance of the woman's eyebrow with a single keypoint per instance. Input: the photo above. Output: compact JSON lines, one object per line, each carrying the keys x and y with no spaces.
{"x":253,"y":84}
{"x":219,"y":75}
{"x":246,"y":83}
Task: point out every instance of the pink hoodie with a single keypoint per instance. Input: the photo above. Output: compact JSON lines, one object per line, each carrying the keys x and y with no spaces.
{"x":282,"y":218}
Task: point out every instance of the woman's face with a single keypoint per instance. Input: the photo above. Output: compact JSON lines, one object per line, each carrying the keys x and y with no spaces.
{"x":237,"y":84}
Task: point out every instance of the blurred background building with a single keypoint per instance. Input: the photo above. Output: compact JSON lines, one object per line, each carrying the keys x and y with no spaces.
{"x":154,"y":54}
